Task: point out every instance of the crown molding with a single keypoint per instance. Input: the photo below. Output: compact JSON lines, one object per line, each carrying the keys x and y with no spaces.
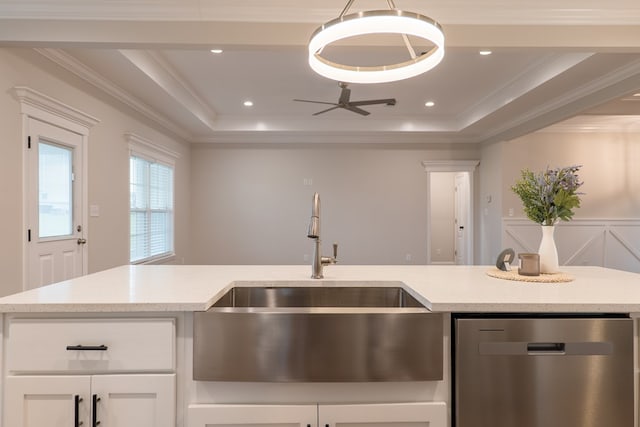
{"x":596,"y":124}
{"x":76,"y":67}
{"x":336,"y":137}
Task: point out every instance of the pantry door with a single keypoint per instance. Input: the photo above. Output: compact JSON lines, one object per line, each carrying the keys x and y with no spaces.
{"x":461,"y":209}
{"x":55,"y":235}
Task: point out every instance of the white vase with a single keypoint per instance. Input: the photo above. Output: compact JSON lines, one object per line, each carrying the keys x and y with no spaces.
{"x":548,"y":251}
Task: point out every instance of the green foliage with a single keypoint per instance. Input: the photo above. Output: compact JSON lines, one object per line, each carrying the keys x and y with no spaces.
{"x":549,"y":196}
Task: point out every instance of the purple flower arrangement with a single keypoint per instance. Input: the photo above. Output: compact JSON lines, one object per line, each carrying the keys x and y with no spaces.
{"x":549,"y":196}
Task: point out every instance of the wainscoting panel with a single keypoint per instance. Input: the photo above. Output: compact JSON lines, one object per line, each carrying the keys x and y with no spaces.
{"x":608,"y":243}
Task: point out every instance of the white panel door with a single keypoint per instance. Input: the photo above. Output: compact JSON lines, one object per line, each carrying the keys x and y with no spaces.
{"x":55,"y":235}
{"x":51,"y":401}
{"x":133,"y":400}
{"x":462,"y":198}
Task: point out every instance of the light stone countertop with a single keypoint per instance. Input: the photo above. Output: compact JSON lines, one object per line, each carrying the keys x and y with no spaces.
{"x":162,"y":288}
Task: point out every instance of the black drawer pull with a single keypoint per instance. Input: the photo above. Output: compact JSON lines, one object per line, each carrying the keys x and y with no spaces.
{"x":87,"y":347}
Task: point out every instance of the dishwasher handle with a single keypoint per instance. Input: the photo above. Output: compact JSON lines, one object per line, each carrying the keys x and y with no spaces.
{"x":529,"y":348}
{"x":545,"y":347}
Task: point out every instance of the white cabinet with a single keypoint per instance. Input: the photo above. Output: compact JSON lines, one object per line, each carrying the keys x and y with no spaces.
{"x":83,"y":400}
{"x":72,"y":372}
{"x":420,"y":414}
{"x":252,"y":415}
{"x":46,"y":401}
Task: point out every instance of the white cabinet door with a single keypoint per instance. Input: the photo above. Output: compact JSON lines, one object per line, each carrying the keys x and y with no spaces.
{"x":252,"y":415}
{"x":134,"y":400}
{"x":419,"y":414}
{"x":51,"y":401}
{"x":73,"y":401}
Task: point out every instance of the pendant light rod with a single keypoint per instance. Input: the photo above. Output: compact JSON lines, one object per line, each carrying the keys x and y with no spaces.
{"x":346,"y":8}
{"x":392,"y":6}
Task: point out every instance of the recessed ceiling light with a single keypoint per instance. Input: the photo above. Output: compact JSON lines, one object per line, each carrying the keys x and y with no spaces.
{"x":216,"y":50}
{"x":248,"y":103}
{"x":485,"y":52}
{"x":637,"y":94}
{"x":429,"y":104}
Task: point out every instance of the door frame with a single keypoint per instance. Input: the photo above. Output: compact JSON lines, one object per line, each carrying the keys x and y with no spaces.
{"x":38,"y":106}
{"x":469,"y":166}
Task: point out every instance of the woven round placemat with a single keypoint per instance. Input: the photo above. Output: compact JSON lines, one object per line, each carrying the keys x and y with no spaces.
{"x":543,"y":278}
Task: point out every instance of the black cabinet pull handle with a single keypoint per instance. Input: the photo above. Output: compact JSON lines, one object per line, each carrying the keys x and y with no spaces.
{"x":76,"y":410}
{"x":94,"y":419}
{"x":88,"y":347}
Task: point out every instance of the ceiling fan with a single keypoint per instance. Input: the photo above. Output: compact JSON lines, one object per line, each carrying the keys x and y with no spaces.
{"x":344,"y":102}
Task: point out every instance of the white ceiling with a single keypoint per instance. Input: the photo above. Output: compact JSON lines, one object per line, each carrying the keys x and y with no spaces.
{"x":552,"y":60}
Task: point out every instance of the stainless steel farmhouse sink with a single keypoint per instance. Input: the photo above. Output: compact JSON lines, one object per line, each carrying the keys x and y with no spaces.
{"x":283,"y":332}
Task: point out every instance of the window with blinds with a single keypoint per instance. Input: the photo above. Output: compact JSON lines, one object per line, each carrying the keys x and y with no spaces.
{"x":151,"y":209}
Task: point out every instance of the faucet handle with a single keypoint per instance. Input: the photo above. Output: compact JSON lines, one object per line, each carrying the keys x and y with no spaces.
{"x":335,"y":250}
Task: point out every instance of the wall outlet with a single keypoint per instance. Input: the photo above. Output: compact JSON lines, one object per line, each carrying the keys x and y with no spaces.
{"x":305,"y":257}
{"x":438,"y":251}
{"x":510,"y":211}
{"x":408,"y":257}
{"x":307,"y":181}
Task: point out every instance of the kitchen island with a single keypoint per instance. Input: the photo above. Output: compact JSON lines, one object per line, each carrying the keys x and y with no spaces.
{"x":146,"y":313}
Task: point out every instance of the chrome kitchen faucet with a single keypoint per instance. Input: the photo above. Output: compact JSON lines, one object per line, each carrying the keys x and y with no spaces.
{"x":314,"y":233}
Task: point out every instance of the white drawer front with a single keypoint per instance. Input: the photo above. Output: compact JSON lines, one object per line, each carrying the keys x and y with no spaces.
{"x":141,"y":345}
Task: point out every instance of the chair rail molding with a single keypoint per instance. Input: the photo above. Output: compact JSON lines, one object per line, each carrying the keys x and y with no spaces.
{"x":604,"y":242}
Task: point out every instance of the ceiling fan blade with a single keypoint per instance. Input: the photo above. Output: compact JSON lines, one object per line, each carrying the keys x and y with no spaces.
{"x":315,"y":102}
{"x":324,"y":111}
{"x":350,"y":107}
{"x":344,"y":95}
{"x":388,"y":101}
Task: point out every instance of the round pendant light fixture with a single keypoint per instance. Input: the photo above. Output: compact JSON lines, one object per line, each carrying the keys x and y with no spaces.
{"x":392,"y":21}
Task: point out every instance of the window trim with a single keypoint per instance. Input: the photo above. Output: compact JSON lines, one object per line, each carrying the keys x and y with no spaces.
{"x":147,"y":150}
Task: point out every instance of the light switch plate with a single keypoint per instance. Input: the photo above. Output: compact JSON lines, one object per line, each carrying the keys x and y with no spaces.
{"x":94,"y":210}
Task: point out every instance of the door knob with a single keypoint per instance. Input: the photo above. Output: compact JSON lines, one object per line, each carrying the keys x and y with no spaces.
{"x":82,"y":241}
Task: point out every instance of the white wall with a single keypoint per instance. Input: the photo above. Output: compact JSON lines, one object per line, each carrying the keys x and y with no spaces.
{"x":443,"y":217}
{"x":250,"y":204}
{"x":489,"y":202}
{"x":605,"y":228}
{"x":610,"y":169}
{"x":108,"y":239}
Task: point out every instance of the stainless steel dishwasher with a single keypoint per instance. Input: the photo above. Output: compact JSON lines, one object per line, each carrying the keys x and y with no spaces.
{"x":545,"y":371}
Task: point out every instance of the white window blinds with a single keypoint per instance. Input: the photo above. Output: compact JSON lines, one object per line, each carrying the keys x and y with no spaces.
{"x":151,"y":209}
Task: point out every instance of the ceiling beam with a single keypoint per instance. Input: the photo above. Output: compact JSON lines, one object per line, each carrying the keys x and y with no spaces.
{"x":252,"y":35}
{"x":157,"y":69}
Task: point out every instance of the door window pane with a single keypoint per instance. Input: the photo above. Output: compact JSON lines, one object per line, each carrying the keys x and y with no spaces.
{"x":55,"y":190}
